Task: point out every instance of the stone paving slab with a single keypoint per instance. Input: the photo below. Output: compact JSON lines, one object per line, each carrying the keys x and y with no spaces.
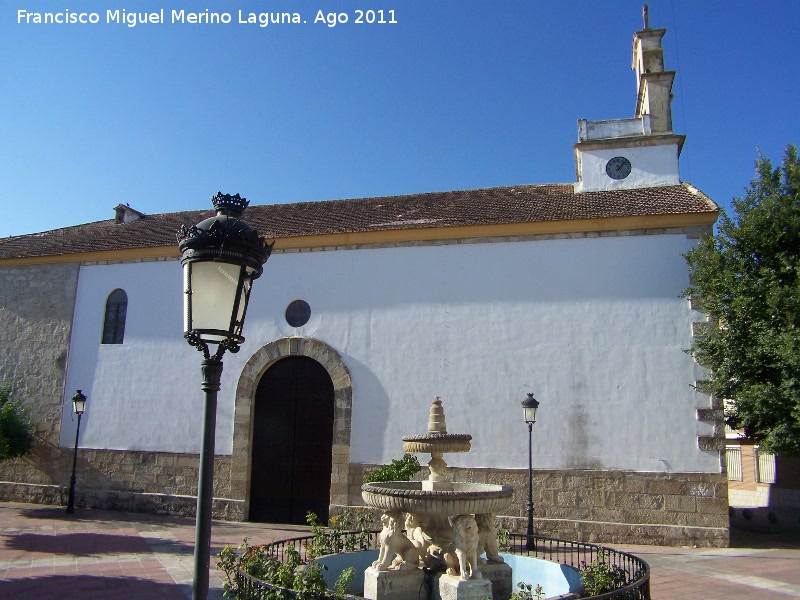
{"x":96,"y":554}
{"x":733,"y":573}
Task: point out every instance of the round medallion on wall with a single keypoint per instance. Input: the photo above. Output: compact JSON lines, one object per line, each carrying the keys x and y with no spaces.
{"x":618,"y":167}
{"x":298,"y":313}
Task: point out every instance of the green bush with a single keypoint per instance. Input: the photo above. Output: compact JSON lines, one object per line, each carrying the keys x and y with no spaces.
{"x":503,"y":540}
{"x":16,"y":435}
{"x":399,"y":470}
{"x":528,"y":592}
{"x":295,"y":579}
{"x":256,"y":562}
{"x":599,"y":577}
{"x":336,"y":538}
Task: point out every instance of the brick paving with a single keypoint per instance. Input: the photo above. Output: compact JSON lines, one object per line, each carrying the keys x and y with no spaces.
{"x":96,"y":554}
{"x":755,"y":566}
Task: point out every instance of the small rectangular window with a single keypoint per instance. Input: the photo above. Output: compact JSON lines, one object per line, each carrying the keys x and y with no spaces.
{"x":733,"y":463}
{"x":765,"y":466}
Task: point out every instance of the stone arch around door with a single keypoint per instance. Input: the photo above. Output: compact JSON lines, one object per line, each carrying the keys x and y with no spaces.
{"x":255,"y":367}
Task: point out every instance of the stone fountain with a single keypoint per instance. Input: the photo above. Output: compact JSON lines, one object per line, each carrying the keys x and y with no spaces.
{"x":449,"y":526}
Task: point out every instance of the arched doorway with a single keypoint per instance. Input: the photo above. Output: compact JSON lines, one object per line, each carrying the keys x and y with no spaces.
{"x":292,"y":442}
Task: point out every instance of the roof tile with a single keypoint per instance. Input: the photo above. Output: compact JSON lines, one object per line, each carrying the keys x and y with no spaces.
{"x":488,"y":206}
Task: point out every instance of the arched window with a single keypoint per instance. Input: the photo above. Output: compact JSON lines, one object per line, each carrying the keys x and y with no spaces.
{"x":114,"y":324}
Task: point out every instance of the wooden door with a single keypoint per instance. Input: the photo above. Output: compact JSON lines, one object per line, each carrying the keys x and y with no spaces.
{"x":292,"y":442}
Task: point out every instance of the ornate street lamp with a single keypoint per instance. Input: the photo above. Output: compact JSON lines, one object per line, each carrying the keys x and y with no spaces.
{"x":222,"y":256}
{"x":78,"y":405}
{"x":529,"y":406}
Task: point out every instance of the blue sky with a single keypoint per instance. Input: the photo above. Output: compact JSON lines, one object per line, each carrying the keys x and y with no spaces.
{"x":455,"y":95}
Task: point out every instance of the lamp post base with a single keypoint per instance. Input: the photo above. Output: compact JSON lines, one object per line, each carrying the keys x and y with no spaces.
{"x":212,"y":374}
{"x":529,"y":543}
{"x":71,"y":500}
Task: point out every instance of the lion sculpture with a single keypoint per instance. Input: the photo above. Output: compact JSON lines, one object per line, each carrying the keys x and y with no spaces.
{"x":428,"y":552}
{"x":394,"y":543}
{"x":465,"y":548}
{"x":487,"y":539}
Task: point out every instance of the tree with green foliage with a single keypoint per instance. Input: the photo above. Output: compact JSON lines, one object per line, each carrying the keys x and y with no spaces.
{"x":747,"y":279}
{"x":15,"y":431}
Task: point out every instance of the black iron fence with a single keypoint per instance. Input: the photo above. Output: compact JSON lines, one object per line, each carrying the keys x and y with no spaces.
{"x":634,"y":586}
{"x":344,"y":541}
{"x":636,"y":572}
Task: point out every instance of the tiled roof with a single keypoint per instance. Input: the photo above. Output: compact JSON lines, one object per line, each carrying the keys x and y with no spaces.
{"x":488,"y":206}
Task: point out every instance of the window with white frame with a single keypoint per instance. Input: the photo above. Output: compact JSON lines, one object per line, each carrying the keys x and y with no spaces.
{"x":765,"y":466}
{"x":733,"y":462}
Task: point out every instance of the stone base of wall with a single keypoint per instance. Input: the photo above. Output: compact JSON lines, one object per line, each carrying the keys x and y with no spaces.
{"x":741,"y":498}
{"x":33,"y":493}
{"x":670,"y":509}
{"x":133,"y":480}
{"x":677,"y":509}
{"x":772,"y":521}
{"x":766,"y":496}
{"x":151,"y":503}
{"x":783,"y":498}
{"x":623,"y":533}
{"x":160,"y":504}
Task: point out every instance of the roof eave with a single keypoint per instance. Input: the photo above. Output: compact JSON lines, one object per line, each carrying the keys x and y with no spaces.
{"x":406,"y":235}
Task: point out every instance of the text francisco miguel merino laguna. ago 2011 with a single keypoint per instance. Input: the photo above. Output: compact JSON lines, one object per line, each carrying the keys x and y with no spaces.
{"x":206,"y":17}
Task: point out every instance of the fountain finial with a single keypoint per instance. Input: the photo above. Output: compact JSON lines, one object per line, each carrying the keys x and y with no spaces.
{"x":436,"y":422}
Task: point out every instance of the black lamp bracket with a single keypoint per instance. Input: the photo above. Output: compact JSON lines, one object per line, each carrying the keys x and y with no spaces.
{"x":231,"y":345}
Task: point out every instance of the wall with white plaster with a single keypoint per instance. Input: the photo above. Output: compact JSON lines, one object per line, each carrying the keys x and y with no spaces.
{"x":614,"y":128}
{"x":594,"y":326}
{"x":650,"y":166}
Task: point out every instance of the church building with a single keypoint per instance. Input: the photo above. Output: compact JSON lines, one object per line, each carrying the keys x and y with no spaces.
{"x":369,"y":308}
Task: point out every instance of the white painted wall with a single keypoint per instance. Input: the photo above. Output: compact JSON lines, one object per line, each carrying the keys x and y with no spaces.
{"x":593,"y":326}
{"x":614,"y":128}
{"x":650,"y":166}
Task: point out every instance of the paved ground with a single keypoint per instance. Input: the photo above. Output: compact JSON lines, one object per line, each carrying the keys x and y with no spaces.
{"x":756,"y":566}
{"x":95,"y":554}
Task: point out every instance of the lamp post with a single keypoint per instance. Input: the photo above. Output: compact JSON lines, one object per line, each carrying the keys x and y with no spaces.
{"x":529,"y":406}
{"x":221,"y":258}
{"x":78,"y":405}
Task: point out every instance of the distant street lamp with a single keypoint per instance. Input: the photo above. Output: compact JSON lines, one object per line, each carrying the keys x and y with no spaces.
{"x":78,"y":405}
{"x":529,"y":406}
{"x":222,"y":256}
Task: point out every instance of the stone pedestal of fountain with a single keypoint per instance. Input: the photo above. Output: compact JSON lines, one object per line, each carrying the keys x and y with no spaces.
{"x":495,"y":583}
{"x":448,"y":526}
{"x":452,"y":587}
{"x":394,"y":584}
{"x":500,"y":576}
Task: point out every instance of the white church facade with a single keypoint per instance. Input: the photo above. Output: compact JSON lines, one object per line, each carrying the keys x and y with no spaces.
{"x":367,"y":309}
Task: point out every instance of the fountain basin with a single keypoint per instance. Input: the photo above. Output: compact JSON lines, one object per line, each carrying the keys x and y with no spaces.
{"x":555,"y":578}
{"x":464,"y":498}
{"x":433,"y":443}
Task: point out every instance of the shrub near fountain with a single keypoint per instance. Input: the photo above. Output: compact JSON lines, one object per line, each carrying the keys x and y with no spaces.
{"x":449,"y":526}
